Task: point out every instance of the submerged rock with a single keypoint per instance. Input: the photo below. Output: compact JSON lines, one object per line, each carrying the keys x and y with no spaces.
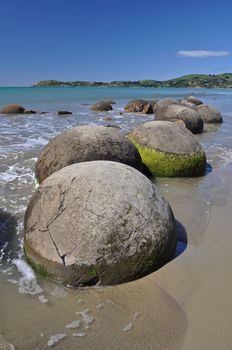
{"x":139,"y":106}
{"x":102,"y":106}
{"x":175,"y":112}
{"x":98,"y":222}
{"x":209,"y":114}
{"x":168,"y":149}
{"x":86,"y":143}
{"x":64,"y":112}
{"x":12,"y":109}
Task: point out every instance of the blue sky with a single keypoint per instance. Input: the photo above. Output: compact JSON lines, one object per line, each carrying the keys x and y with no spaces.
{"x":112,"y":40}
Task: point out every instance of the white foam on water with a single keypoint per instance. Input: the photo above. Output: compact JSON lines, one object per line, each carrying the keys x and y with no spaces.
{"x":56,"y":338}
{"x":128,"y":327}
{"x":42,"y":299}
{"x":79,"y":334}
{"x":27,"y":283}
{"x":74,"y":324}
{"x":88,"y":319}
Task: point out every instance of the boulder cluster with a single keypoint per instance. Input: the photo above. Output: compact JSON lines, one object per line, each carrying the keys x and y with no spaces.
{"x":96,"y":217}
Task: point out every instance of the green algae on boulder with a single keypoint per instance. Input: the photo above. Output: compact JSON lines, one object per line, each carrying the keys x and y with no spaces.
{"x":98,"y":222}
{"x":168,"y":149}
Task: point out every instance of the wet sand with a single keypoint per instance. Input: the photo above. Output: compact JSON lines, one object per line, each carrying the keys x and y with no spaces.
{"x":183,"y":306}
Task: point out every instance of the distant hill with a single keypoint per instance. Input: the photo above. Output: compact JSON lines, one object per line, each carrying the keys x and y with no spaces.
{"x":192,"y":80}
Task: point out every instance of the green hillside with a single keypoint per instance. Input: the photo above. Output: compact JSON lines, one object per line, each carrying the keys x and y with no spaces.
{"x":192,"y":80}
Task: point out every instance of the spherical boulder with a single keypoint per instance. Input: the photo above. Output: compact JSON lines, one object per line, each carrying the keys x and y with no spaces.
{"x":168,"y":149}
{"x":209,"y":114}
{"x":187,"y":104}
{"x":12,"y":109}
{"x":98,"y":222}
{"x":194,"y":100}
{"x":102,"y":106}
{"x":161,"y":106}
{"x":139,"y":106}
{"x":86,"y":143}
{"x":175,"y":112}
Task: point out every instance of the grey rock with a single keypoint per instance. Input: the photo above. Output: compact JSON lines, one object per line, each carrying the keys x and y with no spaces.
{"x":86,"y":143}
{"x":209,"y":114}
{"x":161,"y":106}
{"x":194,"y":100}
{"x":98,"y":222}
{"x":175,"y":112}
{"x":187,"y":104}
{"x":101,"y":106}
{"x":169,"y":149}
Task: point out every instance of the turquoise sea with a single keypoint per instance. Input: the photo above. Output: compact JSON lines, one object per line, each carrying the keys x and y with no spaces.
{"x":164,"y":310}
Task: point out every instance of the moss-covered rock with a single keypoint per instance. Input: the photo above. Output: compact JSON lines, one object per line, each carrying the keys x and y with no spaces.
{"x":168,"y":149}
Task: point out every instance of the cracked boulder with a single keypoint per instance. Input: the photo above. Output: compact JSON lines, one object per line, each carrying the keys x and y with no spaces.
{"x":169,"y":149}
{"x":209,"y":114}
{"x":98,"y":222}
{"x":86,"y":143}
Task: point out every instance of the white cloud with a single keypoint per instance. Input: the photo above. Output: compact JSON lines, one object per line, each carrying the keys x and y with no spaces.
{"x":202,"y":53}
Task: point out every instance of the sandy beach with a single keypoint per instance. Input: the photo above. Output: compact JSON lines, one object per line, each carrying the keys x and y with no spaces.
{"x":183,"y":306}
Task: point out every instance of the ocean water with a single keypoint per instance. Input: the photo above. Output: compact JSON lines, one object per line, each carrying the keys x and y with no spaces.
{"x":34,"y":313}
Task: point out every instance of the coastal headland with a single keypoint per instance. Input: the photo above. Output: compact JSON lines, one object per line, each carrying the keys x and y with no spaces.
{"x":186,"y":81}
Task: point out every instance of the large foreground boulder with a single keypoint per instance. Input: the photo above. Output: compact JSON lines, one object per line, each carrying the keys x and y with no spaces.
{"x":139,"y":106}
{"x":168,"y":149}
{"x":12,"y":109}
{"x":209,"y":114}
{"x":86,"y":143}
{"x":98,"y":222}
{"x":175,"y":112}
{"x":102,"y":106}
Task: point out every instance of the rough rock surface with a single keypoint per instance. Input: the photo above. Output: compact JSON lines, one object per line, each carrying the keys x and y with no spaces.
{"x":86,"y":143}
{"x":12,"y":109}
{"x":102,"y":106}
{"x":169,"y":149}
{"x":175,"y":112}
{"x":98,"y":222}
{"x":139,"y":106}
{"x":209,"y":114}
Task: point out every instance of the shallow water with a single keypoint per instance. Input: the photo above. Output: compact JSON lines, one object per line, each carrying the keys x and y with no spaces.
{"x":184,"y":305}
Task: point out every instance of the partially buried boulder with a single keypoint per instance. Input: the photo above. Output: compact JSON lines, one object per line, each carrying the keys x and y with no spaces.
{"x":139,"y":106}
{"x":102,"y":106}
{"x":209,"y":114}
{"x":12,"y":109}
{"x":98,"y":222}
{"x":161,"y":106}
{"x":168,"y":149}
{"x":86,"y":143}
{"x":175,"y":112}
